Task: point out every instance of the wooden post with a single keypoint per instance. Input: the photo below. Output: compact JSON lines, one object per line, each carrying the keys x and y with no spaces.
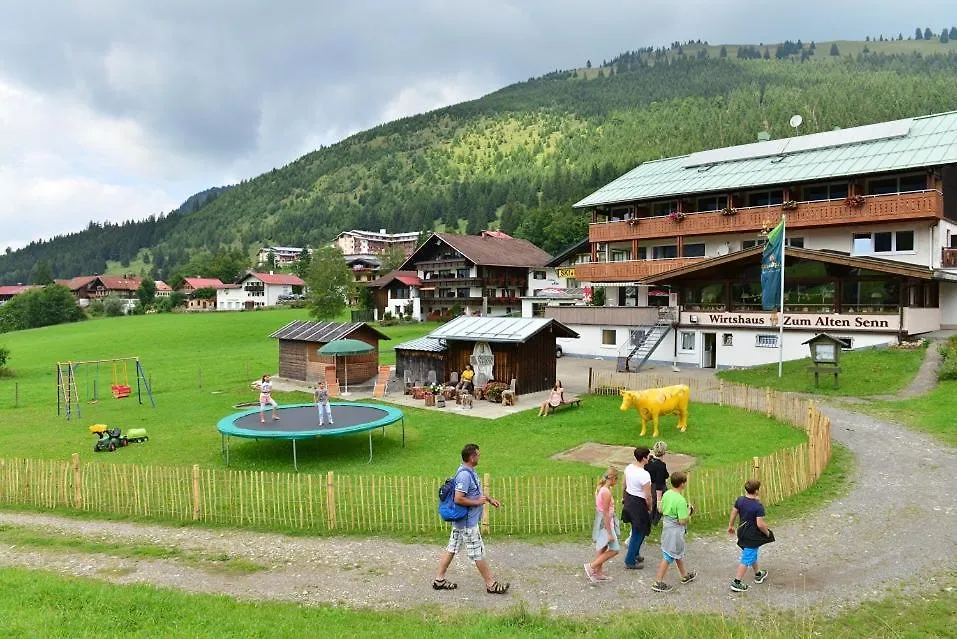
{"x":720,"y":392}
{"x":77,"y":483}
{"x":487,"y":483}
{"x":331,"y":500}
{"x":589,"y":379}
{"x":756,"y":467}
{"x":767,"y":401}
{"x":195,"y":492}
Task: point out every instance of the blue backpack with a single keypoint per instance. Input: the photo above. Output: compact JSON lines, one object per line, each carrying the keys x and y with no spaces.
{"x":448,"y":509}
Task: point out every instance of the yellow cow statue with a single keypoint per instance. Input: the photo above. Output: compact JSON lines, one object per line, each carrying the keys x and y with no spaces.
{"x":655,"y":402}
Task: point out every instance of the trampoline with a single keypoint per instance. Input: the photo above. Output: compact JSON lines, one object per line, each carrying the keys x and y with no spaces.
{"x":301,"y":421}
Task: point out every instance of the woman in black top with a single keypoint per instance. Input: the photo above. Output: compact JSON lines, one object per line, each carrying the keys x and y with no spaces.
{"x":659,"y":475}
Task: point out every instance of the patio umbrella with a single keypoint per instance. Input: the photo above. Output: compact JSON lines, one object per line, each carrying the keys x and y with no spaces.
{"x":345,"y":347}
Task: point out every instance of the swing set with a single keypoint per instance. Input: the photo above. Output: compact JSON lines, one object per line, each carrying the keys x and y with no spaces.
{"x":68,"y":389}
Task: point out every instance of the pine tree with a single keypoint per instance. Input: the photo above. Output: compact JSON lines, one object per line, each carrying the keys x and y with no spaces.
{"x":918,"y":34}
{"x":944,"y":36}
{"x":953,"y":33}
{"x":723,"y":53}
{"x":928,"y":34}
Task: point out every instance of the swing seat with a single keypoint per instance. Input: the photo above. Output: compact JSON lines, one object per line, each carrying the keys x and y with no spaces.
{"x":120,"y":391}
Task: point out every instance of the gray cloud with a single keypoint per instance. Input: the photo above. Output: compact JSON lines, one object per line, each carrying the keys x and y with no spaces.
{"x":203,"y":92}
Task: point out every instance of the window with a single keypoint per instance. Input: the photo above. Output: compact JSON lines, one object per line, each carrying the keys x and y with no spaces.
{"x":401,"y":293}
{"x":643,"y":252}
{"x":819,"y":192}
{"x":766,"y":341}
{"x":664,"y":252}
{"x":694,"y":250}
{"x":609,"y":337}
{"x":766,"y":198}
{"x":897,"y":184}
{"x":620,"y":213}
{"x":538,"y":275}
{"x":620,"y":255}
{"x":727,"y":339}
{"x":687,"y":340}
{"x":713,"y":203}
{"x":462,"y":292}
{"x":663,"y":208}
{"x":847,"y":343}
{"x":796,"y":242}
{"x":882,"y":242}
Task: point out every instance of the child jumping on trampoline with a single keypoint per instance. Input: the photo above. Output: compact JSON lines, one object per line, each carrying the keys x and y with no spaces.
{"x":265,"y":397}
{"x":321,"y":398}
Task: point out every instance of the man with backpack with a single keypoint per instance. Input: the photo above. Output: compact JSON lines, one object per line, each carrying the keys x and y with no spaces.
{"x":463,"y":506}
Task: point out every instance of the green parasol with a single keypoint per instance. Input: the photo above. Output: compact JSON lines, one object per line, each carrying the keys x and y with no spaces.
{"x":345,"y":347}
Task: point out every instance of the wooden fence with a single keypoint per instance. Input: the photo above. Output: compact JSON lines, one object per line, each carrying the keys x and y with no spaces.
{"x":334,"y":503}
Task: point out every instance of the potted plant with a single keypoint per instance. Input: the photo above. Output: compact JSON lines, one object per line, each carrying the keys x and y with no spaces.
{"x":790,"y":205}
{"x":728,"y":211}
{"x":677,"y":216}
{"x":633,"y":221}
{"x":854,"y":201}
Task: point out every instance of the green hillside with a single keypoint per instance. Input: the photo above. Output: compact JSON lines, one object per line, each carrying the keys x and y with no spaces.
{"x":518,"y":157}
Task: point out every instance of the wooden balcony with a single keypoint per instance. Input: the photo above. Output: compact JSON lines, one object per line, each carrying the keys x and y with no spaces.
{"x":897,"y":207}
{"x":630,"y":271}
{"x":948,"y":258}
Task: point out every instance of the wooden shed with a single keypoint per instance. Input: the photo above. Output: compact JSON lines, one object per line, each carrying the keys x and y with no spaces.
{"x":299,"y":343}
{"x":419,"y":356}
{"x":505,"y":348}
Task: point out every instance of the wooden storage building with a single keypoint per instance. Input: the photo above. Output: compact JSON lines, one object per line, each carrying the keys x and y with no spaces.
{"x":299,"y":343}
{"x":505,"y":348}
{"x":414,"y":359}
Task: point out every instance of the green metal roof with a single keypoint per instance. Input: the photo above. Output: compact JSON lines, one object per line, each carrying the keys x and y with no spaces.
{"x":888,"y":146}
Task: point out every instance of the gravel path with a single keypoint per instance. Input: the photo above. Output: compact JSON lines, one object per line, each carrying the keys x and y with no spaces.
{"x":897,"y":523}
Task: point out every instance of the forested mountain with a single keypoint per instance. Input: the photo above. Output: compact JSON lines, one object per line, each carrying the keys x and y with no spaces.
{"x":519,"y":157}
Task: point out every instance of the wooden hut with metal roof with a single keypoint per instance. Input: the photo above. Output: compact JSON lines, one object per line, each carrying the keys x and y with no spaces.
{"x":300,"y":340}
{"x":504,"y":348}
{"x":416,"y":358}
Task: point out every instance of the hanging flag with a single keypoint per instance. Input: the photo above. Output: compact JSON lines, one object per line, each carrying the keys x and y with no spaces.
{"x":772,"y":269}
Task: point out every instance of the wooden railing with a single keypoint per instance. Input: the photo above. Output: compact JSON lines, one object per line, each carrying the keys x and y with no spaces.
{"x":332,"y":503}
{"x":876,"y":208}
{"x":632,"y":270}
{"x":604,"y":315}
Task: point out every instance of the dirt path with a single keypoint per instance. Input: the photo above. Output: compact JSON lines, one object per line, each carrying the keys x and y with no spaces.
{"x":882,"y":533}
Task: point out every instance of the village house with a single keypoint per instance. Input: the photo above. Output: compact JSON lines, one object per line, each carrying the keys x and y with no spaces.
{"x":282,"y":255}
{"x":163,"y":289}
{"x":371,"y":243}
{"x":398,"y":293}
{"x":555,"y":284}
{"x":871,"y":234}
{"x":483,"y":274}
{"x":8,"y":292}
{"x":257,"y":290}
{"x":200,"y":302}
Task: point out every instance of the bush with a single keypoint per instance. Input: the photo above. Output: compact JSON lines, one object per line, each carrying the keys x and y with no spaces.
{"x":4,"y":356}
{"x":95,"y":309}
{"x":493,"y":391}
{"x":113,"y":306}
{"x":948,"y":366}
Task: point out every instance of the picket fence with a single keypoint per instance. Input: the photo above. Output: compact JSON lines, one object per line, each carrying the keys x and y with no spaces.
{"x":334,"y":503}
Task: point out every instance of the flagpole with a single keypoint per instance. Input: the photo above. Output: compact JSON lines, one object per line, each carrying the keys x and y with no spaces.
{"x":784,"y":237}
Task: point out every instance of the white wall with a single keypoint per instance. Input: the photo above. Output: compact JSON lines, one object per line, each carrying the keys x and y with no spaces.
{"x":397,"y":306}
{"x":230,"y":299}
{"x":948,"y":304}
{"x":551,"y":280}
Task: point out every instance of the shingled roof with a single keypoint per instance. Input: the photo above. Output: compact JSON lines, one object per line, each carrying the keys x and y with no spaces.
{"x":488,"y":250}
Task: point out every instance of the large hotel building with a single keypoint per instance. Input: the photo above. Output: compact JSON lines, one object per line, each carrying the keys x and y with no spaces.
{"x":674,"y":247}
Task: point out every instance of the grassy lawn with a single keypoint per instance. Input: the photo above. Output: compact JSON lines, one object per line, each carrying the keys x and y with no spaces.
{"x":202,"y":364}
{"x":932,"y":413}
{"x":871,"y":371}
{"x":402,"y":333}
{"x":40,"y":604}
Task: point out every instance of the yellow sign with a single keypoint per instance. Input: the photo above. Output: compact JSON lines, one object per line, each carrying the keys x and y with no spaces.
{"x":566,"y":272}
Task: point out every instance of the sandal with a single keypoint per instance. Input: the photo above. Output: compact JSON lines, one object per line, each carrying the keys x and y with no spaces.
{"x":443,"y":584}
{"x":497,"y":588}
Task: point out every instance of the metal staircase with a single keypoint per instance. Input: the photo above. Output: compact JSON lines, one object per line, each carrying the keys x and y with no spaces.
{"x":645,"y":345}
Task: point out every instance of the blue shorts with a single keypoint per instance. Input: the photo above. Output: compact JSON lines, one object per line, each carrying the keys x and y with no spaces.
{"x":667,"y":557}
{"x":749,"y":556}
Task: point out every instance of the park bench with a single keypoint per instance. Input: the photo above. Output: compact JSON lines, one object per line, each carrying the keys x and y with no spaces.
{"x":568,"y":401}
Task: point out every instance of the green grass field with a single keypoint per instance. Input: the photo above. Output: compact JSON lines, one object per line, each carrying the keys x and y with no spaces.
{"x":42,"y":604}
{"x":871,"y":371}
{"x":202,"y":364}
{"x":932,"y":413}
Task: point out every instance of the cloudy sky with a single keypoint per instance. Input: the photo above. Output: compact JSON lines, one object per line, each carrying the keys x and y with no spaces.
{"x":118,"y":109}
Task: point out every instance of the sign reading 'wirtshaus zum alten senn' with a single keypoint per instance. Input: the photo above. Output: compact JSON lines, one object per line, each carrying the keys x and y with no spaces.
{"x":803,"y":321}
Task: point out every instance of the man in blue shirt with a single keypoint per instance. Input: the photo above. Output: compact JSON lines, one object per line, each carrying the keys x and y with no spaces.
{"x":465,"y":531}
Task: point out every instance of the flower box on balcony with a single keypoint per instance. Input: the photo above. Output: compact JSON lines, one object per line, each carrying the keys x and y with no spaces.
{"x":854,"y":201}
{"x":676,"y":216}
{"x":790,"y":205}
{"x":728,"y":211}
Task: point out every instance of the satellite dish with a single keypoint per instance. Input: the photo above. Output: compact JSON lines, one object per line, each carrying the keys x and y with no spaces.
{"x":795,"y":121}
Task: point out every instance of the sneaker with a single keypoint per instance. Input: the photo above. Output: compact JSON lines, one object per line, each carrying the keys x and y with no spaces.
{"x":634,"y":566}
{"x":687,"y":579}
{"x":739,"y":586}
{"x":760,"y":576}
{"x":660,"y":586}
{"x":592,"y":577}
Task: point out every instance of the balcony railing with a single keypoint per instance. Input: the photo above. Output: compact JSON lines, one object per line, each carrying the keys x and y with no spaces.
{"x":948,"y":257}
{"x":630,"y":271}
{"x":876,"y":208}
{"x":604,"y":315}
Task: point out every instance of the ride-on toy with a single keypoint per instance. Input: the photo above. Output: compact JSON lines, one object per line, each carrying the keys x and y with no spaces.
{"x":109,"y":439}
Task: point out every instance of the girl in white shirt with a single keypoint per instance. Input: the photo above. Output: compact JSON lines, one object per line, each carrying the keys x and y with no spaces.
{"x":265,"y":397}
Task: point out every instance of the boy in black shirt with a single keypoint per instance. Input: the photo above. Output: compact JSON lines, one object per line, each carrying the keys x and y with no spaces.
{"x":752,"y":534}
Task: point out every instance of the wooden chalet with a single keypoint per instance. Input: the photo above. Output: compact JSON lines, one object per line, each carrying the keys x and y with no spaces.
{"x":416,"y":358}
{"x":299,"y":343}
{"x":504,"y":348}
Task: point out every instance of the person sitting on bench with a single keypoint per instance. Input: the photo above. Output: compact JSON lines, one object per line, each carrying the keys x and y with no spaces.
{"x":555,"y":398}
{"x":465,"y":382}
